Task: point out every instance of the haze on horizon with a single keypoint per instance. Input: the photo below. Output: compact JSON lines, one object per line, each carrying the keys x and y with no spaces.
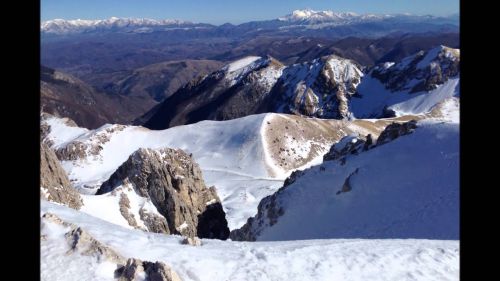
{"x":235,"y":12}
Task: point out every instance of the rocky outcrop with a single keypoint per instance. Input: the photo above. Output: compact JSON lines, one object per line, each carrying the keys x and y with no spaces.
{"x":395,"y":130}
{"x":348,"y":145}
{"x":83,"y":243}
{"x":153,"y":222}
{"x":54,"y":183}
{"x":347,"y":186}
{"x":269,"y":210}
{"x":423,"y":71}
{"x":157,"y":271}
{"x":77,"y":149}
{"x":173,"y":182}
{"x":193,"y":241}
{"x":320,"y":88}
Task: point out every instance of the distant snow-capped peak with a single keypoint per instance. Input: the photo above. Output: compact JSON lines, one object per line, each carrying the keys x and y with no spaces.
{"x":312,"y":15}
{"x":62,"y":26}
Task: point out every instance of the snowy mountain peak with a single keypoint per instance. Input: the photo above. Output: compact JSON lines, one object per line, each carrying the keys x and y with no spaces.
{"x":422,"y":71}
{"x":62,"y":26}
{"x":309,"y":14}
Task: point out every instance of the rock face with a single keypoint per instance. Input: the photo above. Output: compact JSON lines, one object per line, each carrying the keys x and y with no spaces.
{"x":348,"y":145}
{"x":320,"y":88}
{"x":54,"y":183}
{"x":236,"y":90}
{"x":174,"y":183}
{"x":425,"y":70}
{"x":396,"y":130}
{"x":268,"y":212}
{"x":157,"y":271}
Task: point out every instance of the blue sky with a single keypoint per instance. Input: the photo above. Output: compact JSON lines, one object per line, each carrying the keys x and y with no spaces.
{"x":234,"y":11}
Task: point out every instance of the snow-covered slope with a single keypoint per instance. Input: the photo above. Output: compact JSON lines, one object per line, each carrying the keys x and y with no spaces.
{"x":318,"y":260}
{"x":246,"y":159}
{"x":413,"y":86}
{"x":407,"y":188}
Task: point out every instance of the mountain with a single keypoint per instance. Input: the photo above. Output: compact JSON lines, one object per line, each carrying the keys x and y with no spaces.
{"x":335,"y":24}
{"x":413,"y":86}
{"x":388,"y":191}
{"x":66,"y":96}
{"x":255,"y":85}
{"x":327,"y":87}
{"x":236,"y":90}
{"x":158,"y":81}
{"x":172,"y":181}
{"x":245,"y":159}
{"x":386,"y":259}
{"x":114,"y":24}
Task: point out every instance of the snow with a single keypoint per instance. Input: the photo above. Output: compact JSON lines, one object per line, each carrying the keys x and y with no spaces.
{"x":450,"y":109}
{"x":239,"y":64}
{"x":57,"y":265}
{"x":341,"y":259}
{"x":237,"y":70}
{"x":375,"y":97}
{"x":61,"y":26}
{"x":230,"y":154}
{"x":61,"y":133}
{"x":431,"y":55}
{"x":424,"y":102}
{"x":408,"y":188}
{"x":107,"y":206}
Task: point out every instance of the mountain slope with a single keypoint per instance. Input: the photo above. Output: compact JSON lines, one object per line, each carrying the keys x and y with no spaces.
{"x":236,"y":90}
{"x":246,"y":159}
{"x":390,"y":191}
{"x":225,"y":260}
{"x":159,"y":81}
{"x":413,"y":86}
{"x":254,"y":85}
{"x":66,"y":96}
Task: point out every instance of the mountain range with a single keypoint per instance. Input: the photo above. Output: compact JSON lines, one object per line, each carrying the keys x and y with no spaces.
{"x":314,"y":146}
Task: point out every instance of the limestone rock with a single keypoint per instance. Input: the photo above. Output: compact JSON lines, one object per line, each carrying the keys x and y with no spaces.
{"x":396,"y":130}
{"x":173,"y":182}
{"x":54,"y":183}
{"x":193,"y":241}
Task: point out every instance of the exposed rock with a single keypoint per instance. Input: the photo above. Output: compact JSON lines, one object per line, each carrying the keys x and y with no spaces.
{"x":124,"y":204}
{"x":293,"y":177}
{"x":81,"y":241}
{"x":268,"y":212}
{"x":396,"y":130}
{"x":153,"y":222}
{"x":174,"y":184}
{"x":159,"y":271}
{"x":54,"y":183}
{"x":320,"y":88}
{"x":429,"y":68}
{"x":348,"y":145}
{"x":77,"y":149}
{"x":136,"y":269}
{"x":347,"y":186}
{"x":193,"y":241}
{"x":130,"y":271}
